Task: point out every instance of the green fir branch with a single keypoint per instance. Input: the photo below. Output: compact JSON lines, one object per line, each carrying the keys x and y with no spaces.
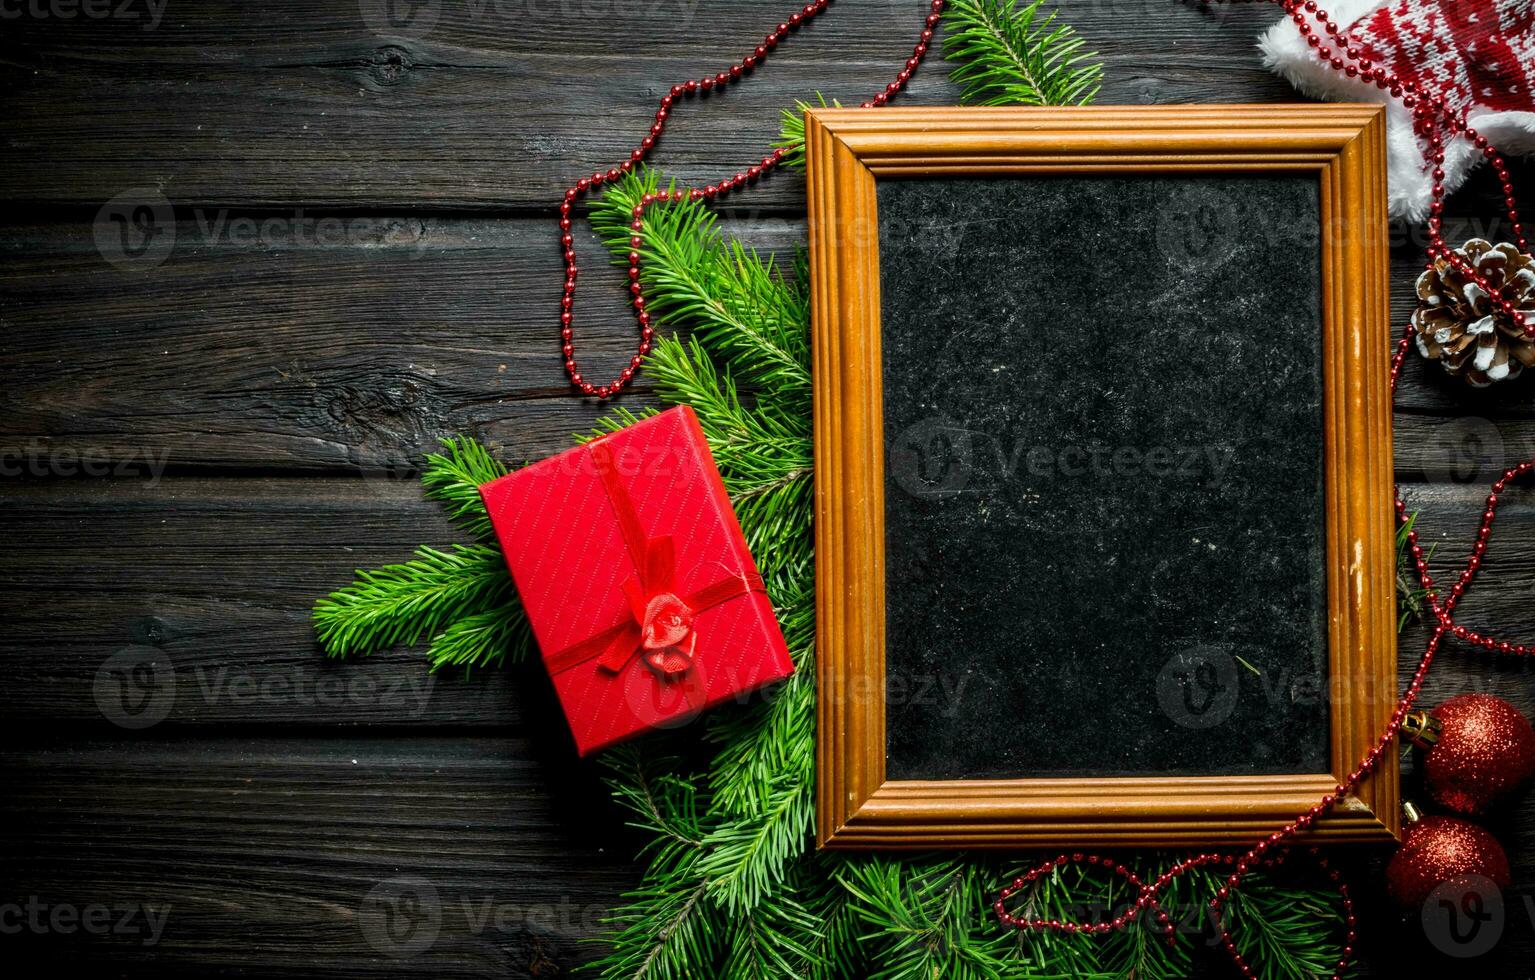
{"x":746,"y":858}
{"x":485,"y":639}
{"x":776,"y":942}
{"x":453,"y":478}
{"x":927,"y":919}
{"x":662,"y":932}
{"x":732,"y":888}
{"x":1077,"y":893}
{"x":664,"y":803}
{"x":1411,"y":596}
{"x":728,"y":297}
{"x":1141,"y":951}
{"x":838,"y":952}
{"x":791,"y":130}
{"x":1285,"y":933}
{"x":667,"y":929}
{"x":1008,"y":54}
{"x":401,"y":604}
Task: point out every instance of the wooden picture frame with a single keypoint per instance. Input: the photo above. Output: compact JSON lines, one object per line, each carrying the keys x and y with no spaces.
{"x":848,"y":151}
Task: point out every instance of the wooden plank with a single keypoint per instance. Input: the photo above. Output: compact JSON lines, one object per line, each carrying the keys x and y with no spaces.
{"x":491,"y":105}
{"x":207,"y":585}
{"x":279,"y":349}
{"x":294,"y":856}
{"x":212,"y":580}
{"x":352,"y":344}
{"x":267,"y":855}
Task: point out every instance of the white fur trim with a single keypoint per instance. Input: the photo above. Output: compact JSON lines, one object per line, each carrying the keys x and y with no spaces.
{"x":1409,"y":186}
{"x":1511,"y":132}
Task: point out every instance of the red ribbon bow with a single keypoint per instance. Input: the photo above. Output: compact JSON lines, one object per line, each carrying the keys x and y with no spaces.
{"x":663,"y":623}
{"x":660,"y":623}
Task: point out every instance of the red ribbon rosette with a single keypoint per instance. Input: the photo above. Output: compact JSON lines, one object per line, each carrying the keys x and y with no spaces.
{"x":660,"y":627}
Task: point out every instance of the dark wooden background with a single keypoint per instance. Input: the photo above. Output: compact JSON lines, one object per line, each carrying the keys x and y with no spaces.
{"x":196,"y":448}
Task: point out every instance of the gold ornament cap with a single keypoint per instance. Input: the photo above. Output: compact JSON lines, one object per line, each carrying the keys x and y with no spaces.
{"x":1421,"y":728}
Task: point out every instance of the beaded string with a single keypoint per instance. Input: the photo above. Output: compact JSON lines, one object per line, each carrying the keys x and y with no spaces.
{"x":1432,"y":116}
{"x":691,"y":88}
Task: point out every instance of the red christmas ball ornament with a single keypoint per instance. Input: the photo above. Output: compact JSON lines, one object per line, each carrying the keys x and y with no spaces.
{"x":1439,"y":849}
{"x":1479,"y":750}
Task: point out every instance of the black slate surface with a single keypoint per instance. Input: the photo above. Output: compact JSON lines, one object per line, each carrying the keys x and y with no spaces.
{"x":1104,"y":495}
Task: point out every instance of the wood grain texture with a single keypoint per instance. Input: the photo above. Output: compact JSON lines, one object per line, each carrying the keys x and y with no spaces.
{"x":354,"y":355}
{"x":277,"y":856}
{"x":265,"y":841}
{"x":217,"y":577}
{"x":246,"y":357}
{"x":847,"y":151}
{"x":486,"y":104}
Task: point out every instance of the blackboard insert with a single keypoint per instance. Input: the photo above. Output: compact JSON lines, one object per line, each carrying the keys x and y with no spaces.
{"x":1094,"y":448}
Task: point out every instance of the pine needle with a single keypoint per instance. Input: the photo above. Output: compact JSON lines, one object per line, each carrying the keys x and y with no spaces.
{"x":667,"y":929}
{"x":732,"y":300}
{"x":401,"y":604}
{"x":928,"y":919}
{"x":732,"y":888}
{"x":1285,"y":933}
{"x":791,"y":132}
{"x":453,"y":478}
{"x":1411,"y":596}
{"x":484,"y":639}
{"x":1009,"y":55}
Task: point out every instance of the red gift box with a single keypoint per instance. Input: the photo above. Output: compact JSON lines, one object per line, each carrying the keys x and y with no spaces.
{"x":636,"y":579}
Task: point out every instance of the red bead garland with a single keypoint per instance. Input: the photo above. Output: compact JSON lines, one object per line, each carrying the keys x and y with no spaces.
{"x":689,"y":89}
{"x":1431,"y":116}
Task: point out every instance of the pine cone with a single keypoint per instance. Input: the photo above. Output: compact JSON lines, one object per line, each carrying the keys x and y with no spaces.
{"x":1455,"y":320}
